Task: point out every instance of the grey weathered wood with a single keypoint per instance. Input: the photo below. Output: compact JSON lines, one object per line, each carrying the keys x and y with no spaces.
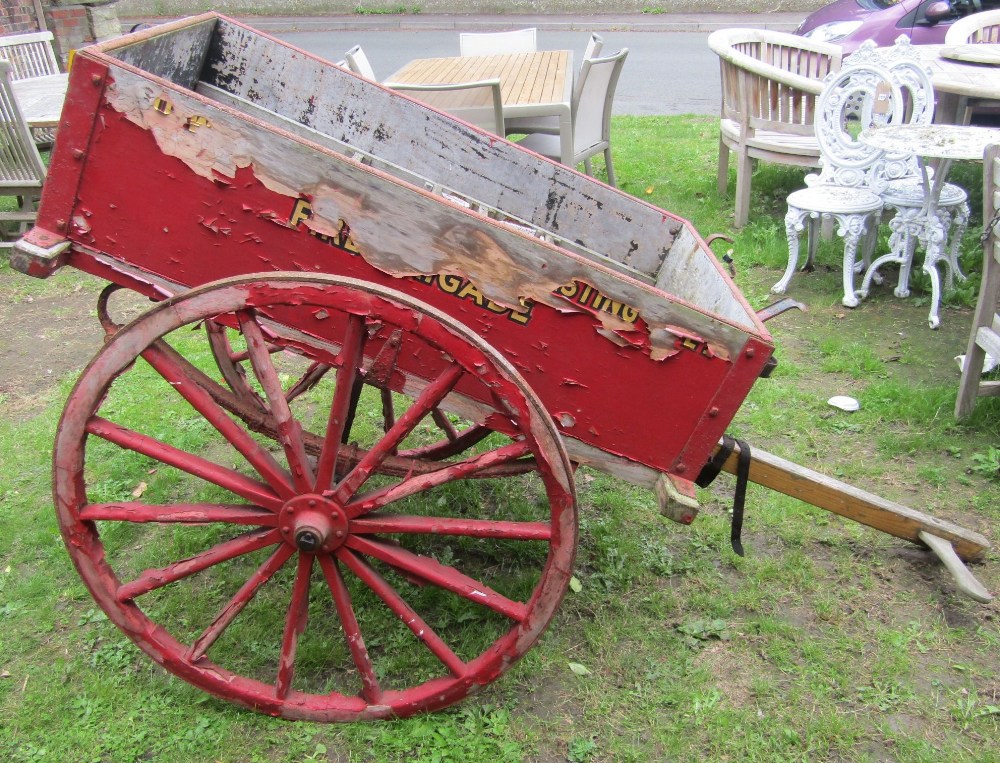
{"x":984,"y":337}
{"x":22,"y":171}
{"x":177,"y":56}
{"x":303,"y":124}
{"x":547,"y":195}
{"x":964,"y":579}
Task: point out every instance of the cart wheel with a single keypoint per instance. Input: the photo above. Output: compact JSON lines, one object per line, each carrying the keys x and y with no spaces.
{"x":307,"y":579}
{"x":233,"y":365}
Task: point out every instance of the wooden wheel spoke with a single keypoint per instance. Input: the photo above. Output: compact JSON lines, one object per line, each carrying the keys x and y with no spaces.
{"x":429,"y":398}
{"x":351,"y":354}
{"x":256,"y":492}
{"x":476,"y":528}
{"x":308,"y":380}
{"x":230,"y":364}
{"x":164,"y":360}
{"x":370,"y":689}
{"x":443,"y":576}
{"x":388,"y":409}
{"x":186,"y":513}
{"x":152,"y":579}
{"x":295,"y":626}
{"x":441,"y":419}
{"x":266,"y":523}
{"x":289,"y":430}
{"x":242,"y":356}
{"x":463,"y":440}
{"x":240,"y":599}
{"x":409,"y":617}
{"x":422,"y":482}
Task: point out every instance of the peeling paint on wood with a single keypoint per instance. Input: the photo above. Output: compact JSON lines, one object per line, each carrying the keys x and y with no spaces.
{"x":269,"y":131}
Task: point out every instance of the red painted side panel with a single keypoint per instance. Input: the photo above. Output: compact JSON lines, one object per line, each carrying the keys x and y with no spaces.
{"x":112,"y":190}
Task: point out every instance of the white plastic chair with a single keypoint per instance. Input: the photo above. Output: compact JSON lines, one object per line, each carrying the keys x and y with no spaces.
{"x":847,"y":188}
{"x":591,"y":117}
{"x":477,"y":103}
{"x":22,"y":171}
{"x":550,"y":124}
{"x":498,"y":43}
{"x":904,"y":191}
{"x":31,"y":55}
{"x":358,"y":63}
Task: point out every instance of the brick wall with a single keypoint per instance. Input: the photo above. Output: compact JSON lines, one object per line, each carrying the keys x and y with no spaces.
{"x":70,"y":26}
{"x":18,"y":16}
{"x":73,"y":25}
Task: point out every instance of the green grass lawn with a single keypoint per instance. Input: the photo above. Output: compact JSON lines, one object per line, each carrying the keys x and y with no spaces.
{"x":826,"y":642}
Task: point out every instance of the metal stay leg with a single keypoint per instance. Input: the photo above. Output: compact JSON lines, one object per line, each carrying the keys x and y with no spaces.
{"x":933,"y":235}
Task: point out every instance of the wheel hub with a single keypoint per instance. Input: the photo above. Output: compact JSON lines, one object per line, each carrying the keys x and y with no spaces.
{"x":313,"y":524}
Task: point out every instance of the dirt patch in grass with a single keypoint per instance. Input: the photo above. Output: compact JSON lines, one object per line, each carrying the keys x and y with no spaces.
{"x":871,"y":584}
{"x":50,"y":335}
{"x":47,"y":337}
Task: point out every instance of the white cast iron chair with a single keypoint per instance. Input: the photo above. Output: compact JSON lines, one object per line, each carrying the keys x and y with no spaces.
{"x":498,"y":43}
{"x":550,"y":124}
{"x":22,"y":171}
{"x":846,"y":189}
{"x":591,"y":117}
{"x":904,"y":191}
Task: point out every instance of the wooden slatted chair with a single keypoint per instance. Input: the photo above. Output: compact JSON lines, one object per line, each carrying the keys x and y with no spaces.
{"x":984,"y":338}
{"x":770,"y":83}
{"x":975,"y":29}
{"x":31,"y":55}
{"x":22,"y":171}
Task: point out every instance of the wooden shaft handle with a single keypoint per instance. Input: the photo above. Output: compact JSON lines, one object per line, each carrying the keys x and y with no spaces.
{"x":833,"y":495}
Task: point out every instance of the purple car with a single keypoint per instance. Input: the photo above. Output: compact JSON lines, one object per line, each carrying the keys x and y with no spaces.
{"x":850,"y":22}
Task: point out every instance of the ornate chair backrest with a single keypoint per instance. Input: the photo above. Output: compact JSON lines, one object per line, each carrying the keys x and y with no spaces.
{"x":861,"y":95}
{"x":29,"y":55}
{"x":913,"y":78}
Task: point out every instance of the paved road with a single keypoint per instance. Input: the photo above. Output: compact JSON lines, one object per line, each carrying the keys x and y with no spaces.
{"x":669,"y":70}
{"x":665,"y":73}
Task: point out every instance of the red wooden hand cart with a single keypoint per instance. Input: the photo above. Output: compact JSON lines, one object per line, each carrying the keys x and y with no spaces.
{"x":393,"y":337}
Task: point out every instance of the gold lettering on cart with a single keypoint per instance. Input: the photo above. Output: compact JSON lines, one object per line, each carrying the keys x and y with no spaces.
{"x":463,"y":288}
{"x":587,"y":296}
{"x":163,"y":106}
{"x":342,"y":239}
{"x":577,"y":292}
